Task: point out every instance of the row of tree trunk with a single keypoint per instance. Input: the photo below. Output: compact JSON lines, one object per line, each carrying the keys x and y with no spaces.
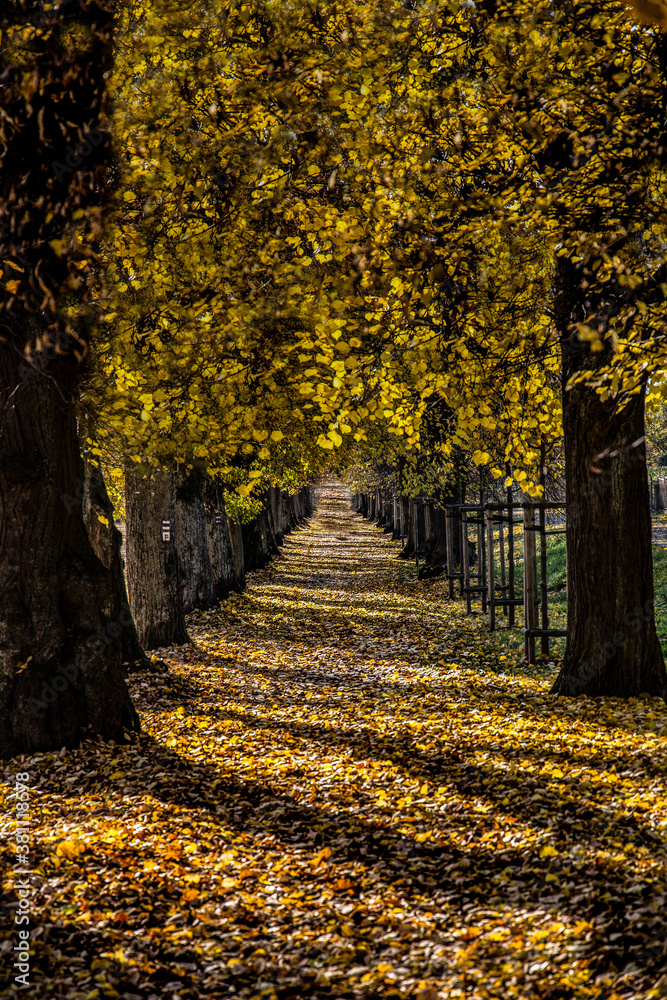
{"x":379,"y":507}
{"x":183,"y":552}
{"x":64,"y":658}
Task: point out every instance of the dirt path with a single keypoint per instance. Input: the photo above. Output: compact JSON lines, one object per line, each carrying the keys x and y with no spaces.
{"x":335,"y":796}
{"x":338,"y":598}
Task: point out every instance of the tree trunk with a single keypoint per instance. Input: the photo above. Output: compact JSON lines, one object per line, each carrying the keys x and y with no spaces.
{"x":388,"y":502}
{"x":408,"y":549}
{"x":436,"y":543}
{"x":107,"y":543}
{"x":612,"y":647}
{"x":381,"y":515}
{"x":236,"y":538}
{"x":153,"y":573}
{"x":60,"y":654}
{"x":255,"y":543}
{"x":219,"y":541}
{"x":271,"y":507}
{"x":306,"y":504}
{"x":194,"y":562}
{"x":295,"y":505}
{"x":274,"y":510}
{"x":286,"y":512}
{"x":60,"y":620}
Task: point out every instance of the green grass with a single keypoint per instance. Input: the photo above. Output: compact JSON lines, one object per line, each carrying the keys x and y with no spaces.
{"x":556,"y":581}
{"x":511,"y":642}
{"x":556,"y":568}
{"x":660,"y":587}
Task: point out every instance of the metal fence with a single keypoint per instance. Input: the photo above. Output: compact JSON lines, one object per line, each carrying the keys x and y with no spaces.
{"x":483,"y":566}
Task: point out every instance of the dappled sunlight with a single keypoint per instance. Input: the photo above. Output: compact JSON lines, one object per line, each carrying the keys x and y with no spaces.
{"x":330,"y":800}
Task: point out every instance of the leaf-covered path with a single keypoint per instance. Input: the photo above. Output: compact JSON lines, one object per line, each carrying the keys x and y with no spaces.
{"x":327,"y":802}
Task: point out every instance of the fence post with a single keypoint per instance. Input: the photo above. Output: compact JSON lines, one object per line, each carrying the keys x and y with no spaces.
{"x":501,"y":546}
{"x":465,"y":559}
{"x":544,"y":596}
{"x":481,"y":559}
{"x":490,"y":569}
{"x":415,"y":520}
{"x":510,"y":557}
{"x":449,"y":535}
{"x":529,"y":581}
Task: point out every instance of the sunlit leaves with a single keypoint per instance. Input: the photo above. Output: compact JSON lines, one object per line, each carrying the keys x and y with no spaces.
{"x":341,"y":782}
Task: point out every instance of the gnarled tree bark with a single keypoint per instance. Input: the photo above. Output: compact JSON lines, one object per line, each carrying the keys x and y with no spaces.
{"x":408,"y":549}
{"x":107,"y":542}
{"x":197,"y":585}
{"x":60,"y":648}
{"x":255,"y":536}
{"x":274,"y":508}
{"x":60,"y":619}
{"x":219,"y":541}
{"x":236,"y":538}
{"x":612,"y":646}
{"x":153,"y":571}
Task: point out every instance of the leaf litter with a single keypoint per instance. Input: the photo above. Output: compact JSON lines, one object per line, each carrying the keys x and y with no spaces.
{"x":341,"y":790}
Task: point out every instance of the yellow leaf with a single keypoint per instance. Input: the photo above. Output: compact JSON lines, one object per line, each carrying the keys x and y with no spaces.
{"x":103,"y":520}
{"x":70,"y":848}
{"x":13,"y":286}
{"x":323,"y":855}
{"x":548,"y":851}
